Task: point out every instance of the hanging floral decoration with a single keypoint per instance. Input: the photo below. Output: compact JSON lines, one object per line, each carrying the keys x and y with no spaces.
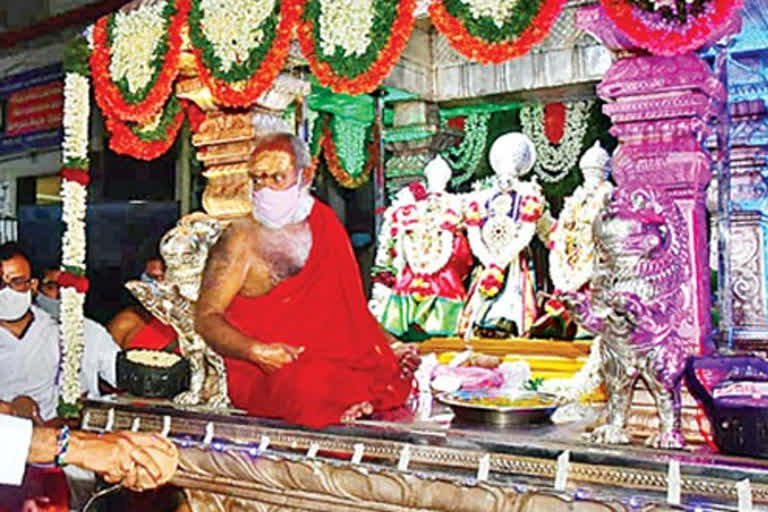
{"x":241,"y":49}
{"x":352,"y":46}
{"x":349,"y":156}
{"x":671,"y":27}
{"x":468,"y":155}
{"x":135,"y":58}
{"x":558,"y":132}
{"x":74,"y":172}
{"x":493,"y":31}
{"x":149,"y":140}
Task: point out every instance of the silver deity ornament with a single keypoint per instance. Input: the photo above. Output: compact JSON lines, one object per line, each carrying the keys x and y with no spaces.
{"x":172,"y":301}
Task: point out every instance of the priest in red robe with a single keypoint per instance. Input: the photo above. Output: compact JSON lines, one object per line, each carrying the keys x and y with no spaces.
{"x":282,"y":301}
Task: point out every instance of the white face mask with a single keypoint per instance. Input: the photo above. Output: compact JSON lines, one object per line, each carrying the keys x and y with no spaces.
{"x":13,"y":304}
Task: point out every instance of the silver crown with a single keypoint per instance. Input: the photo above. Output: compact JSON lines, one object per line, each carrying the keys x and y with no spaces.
{"x":512,"y":154}
{"x":595,"y":157}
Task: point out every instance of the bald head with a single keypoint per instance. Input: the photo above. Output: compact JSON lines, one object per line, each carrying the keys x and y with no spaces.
{"x":286,"y":142}
{"x":279,"y":161}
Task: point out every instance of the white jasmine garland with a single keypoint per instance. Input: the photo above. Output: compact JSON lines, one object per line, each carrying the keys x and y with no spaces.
{"x":427,"y":245}
{"x":234,"y":31}
{"x":76,"y":114}
{"x":74,"y":198}
{"x":572,"y":255}
{"x":72,"y":334}
{"x":500,"y":239}
{"x":135,"y":38}
{"x":346,"y":24}
{"x":498,"y":10}
{"x":554,"y":161}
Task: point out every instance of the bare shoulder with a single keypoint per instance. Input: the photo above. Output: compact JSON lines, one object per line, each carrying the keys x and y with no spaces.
{"x":238,"y":233}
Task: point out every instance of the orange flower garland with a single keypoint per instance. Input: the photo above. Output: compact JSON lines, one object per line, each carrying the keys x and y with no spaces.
{"x":244,"y":94}
{"x":366,"y":82}
{"x":125,"y":141}
{"x":664,"y":38}
{"x":108,"y":95}
{"x":485,"y":52}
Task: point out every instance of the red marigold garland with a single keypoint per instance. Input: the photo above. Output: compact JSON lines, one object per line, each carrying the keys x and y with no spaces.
{"x":487,"y":52}
{"x":665,"y":37}
{"x":336,"y":168}
{"x":245,"y":93}
{"x":128,"y":140}
{"x":400,"y":32}
{"x":109,"y":96}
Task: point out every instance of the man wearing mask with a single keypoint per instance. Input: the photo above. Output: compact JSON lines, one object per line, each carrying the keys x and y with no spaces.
{"x":29,"y":337}
{"x":29,"y":340}
{"x":282,"y":301}
{"x":100,"y":350}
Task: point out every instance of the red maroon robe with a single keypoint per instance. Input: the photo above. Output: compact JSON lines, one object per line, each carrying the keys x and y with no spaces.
{"x":346,"y":360}
{"x":155,"y":336}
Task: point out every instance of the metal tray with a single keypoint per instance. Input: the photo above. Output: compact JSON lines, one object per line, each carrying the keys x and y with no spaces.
{"x":498,"y":415}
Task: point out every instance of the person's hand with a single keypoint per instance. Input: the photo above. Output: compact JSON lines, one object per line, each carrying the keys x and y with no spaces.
{"x":408,"y":358}
{"x":25,"y":407}
{"x":138,"y":461}
{"x":270,"y":357}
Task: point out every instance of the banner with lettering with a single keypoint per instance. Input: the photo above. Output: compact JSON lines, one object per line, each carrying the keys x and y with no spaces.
{"x":31,"y":110}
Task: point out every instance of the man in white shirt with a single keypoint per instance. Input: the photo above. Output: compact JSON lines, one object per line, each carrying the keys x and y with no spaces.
{"x":100,"y":350}
{"x":29,"y":337}
{"x":29,"y":341}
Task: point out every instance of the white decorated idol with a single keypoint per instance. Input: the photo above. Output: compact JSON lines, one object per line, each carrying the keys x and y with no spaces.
{"x":501,"y":222}
{"x":572,"y":249}
{"x":426,"y":257}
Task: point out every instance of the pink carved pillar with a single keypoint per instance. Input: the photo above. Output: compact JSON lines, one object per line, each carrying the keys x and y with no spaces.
{"x":661,"y":108}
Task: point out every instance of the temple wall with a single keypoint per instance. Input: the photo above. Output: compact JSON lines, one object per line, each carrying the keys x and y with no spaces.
{"x":567,"y":58}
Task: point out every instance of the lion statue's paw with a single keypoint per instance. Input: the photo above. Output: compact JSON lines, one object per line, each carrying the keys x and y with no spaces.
{"x":187,"y":398}
{"x":609,"y":434}
{"x":219,"y":401}
{"x":667,"y":441}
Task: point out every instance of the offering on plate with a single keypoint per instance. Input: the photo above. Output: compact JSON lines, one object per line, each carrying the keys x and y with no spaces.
{"x":501,"y":408}
{"x":152,"y":373}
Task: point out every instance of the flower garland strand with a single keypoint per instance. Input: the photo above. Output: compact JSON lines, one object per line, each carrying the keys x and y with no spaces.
{"x":491,"y":32}
{"x":149,"y":141}
{"x":241,"y":50}
{"x":468,"y":155}
{"x":671,"y":28}
{"x":135,"y":59}
{"x":555,"y":161}
{"x":352,"y":46}
{"x":74,"y":194}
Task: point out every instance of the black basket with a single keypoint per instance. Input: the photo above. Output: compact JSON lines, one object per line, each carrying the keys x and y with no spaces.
{"x":740,"y":427}
{"x":150,"y":381}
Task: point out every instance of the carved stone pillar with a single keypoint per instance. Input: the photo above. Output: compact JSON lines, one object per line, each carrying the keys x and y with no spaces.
{"x":414,"y":139}
{"x":661,"y":108}
{"x":749,"y":223}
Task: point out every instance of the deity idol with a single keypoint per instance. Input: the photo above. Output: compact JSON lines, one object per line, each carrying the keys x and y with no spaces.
{"x":501,"y":222}
{"x":431,"y":258}
{"x":572,"y":249}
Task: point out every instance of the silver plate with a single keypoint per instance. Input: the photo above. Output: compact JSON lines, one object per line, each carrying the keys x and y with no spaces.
{"x":501,"y":416}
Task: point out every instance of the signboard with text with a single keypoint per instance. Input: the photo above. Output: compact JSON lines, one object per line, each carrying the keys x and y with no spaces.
{"x":32,"y":108}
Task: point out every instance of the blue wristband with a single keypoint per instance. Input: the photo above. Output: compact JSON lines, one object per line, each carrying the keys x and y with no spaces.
{"x":62,"y":442}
